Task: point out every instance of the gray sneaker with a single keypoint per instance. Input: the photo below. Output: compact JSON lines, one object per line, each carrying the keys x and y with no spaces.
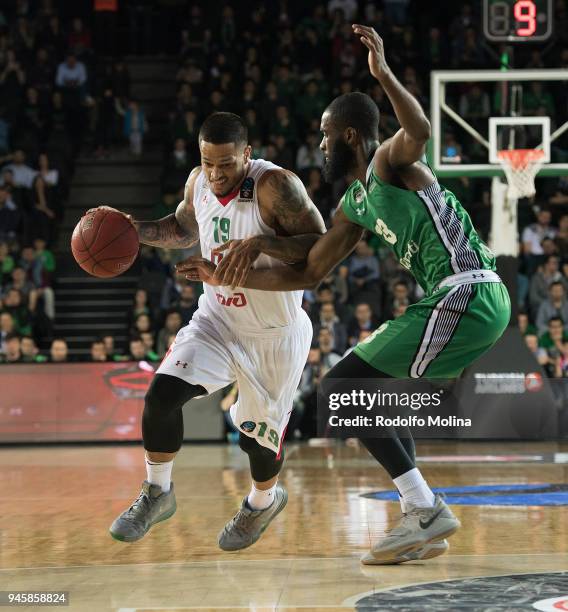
{"x":417,"y":528}
{"x":435,"y":549}
{"x":152,"y":506}
{"x":248,"y":525}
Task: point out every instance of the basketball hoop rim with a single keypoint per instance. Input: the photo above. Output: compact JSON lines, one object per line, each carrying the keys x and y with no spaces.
{"x":519,"y":159}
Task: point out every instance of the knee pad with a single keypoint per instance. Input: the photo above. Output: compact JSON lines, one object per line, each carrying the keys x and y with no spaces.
{"x":264,"y":463}
{"x":168,"y":393}
{"x":162,"y":420}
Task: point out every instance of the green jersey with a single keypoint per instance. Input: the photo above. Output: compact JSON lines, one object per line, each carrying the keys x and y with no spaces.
{"x":429,"y":231}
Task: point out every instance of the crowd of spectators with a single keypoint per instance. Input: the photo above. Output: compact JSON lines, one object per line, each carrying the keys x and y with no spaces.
{"x":277,"y":64}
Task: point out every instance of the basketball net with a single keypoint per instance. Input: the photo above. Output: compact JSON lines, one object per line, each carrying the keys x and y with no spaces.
{"x":521,"y":167}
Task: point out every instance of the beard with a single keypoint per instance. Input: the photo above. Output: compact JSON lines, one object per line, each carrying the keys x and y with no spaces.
{"x":341,"y":160}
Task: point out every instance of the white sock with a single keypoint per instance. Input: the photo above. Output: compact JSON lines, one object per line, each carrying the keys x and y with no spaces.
{"x":259,"y":500}
{"x":414,"y":489}
{"x":402,"y":504}
{"x":159,"y":473}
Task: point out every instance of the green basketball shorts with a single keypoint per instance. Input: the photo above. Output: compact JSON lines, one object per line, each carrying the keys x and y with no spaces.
{"x":442,"y":334}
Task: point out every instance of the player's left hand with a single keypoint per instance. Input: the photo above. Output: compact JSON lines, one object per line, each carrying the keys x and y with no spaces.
{"x":238,"y":257}
{"x":197,"y":268}
{"x":369,"y":37}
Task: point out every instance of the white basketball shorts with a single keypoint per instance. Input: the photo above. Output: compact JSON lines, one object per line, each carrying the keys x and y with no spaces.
{"x":267,"y":366}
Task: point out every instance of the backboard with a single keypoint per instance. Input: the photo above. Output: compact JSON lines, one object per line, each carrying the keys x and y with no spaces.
{"x":512,"y":128}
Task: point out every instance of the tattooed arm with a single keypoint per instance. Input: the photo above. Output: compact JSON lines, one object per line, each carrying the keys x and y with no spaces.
{"x":329,"y":250}
{"x":176,"y":231}
{"x":286,"y":207}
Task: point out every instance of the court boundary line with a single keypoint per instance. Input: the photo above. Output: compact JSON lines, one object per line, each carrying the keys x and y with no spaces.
{"x":354,"y":556}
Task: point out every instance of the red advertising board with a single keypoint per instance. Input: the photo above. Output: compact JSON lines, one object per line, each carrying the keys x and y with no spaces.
{"x":72,"y":401}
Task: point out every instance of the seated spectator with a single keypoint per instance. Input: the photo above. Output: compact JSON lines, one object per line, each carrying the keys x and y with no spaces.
{"x":24,"y":286}
{"x":532,"y":238}
{"x":50,"y":177}
{"x":140,"y":306}
{"x":186,"y":305}
{"x":364,"y":271}
{"x":6,"y":262}
{"x":553,"y":342}
{"x":79,"y":39}
{"x":12,"y":350}
{"x":138,"y":352}
{"x":325,"y":295}
{"x":148,"y":340}
{"x":284,"y":156}
{"x":309,"y":154}
{"x":135,"y":126}
{"x":58,"y":352}
{"x":108,"y":341}
{"x":561,"y":239}
{"x":525,"y":327}
{"x":71,"y":78}
{"x":475,"y":106}
{"x":44,"y":264}
{"x":30,"y":352}
{"x":540,"y":282}
{"x":39,"y":266}
{"x":23,"y":317}
{"x":320,"y":193}
{"x":142,"y":323}
{"x":172,"y":325}
{"x":10,"y":217}
{"x":328,"y":319}
{"x":555,"y":332}
{"x":7,"y":327}
{"x":398,"y":300}
{"x":310,"y":105}
{"x":555,"y":306}
{"x":561,"y":194}
{"x":177,"y":168}
{"x":363,"y":320}
{"x":98,"y":352}
{"x":107,"y":121}
{"x":329,"y":357}
{"x":539,"y":353}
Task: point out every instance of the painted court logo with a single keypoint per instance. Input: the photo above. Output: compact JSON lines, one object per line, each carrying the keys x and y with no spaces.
{"x":496,"y":495}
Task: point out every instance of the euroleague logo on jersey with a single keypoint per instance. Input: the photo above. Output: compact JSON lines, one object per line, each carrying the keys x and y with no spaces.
{"x":247,"y":189}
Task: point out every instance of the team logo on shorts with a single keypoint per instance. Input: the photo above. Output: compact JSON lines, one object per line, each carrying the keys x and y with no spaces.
{"x":247,"y":189}
{"x":248,"y":426}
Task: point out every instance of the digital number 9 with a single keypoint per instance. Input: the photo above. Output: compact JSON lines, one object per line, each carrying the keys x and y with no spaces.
{"x":525,"y":12}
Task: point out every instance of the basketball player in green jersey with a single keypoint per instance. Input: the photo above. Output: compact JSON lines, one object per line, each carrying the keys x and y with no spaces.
{"x":394,"y":195}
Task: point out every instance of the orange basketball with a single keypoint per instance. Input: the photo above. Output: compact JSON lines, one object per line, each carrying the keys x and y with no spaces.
{"x":104,"y":243}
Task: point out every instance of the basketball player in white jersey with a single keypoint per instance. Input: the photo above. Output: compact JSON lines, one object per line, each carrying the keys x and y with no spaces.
{"x":259,"y":339}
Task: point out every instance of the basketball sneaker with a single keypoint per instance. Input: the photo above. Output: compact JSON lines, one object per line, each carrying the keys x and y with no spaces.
{"x":417,"y":528}
{"x":151,"y":507}
{"x":248,"y":525}
{"x":434,"y":549}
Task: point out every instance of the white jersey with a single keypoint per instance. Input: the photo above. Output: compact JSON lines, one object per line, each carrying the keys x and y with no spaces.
{"x":241,"y":309}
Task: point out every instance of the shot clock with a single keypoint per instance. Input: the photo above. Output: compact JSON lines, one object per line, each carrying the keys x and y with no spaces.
{"x":517,"y":20}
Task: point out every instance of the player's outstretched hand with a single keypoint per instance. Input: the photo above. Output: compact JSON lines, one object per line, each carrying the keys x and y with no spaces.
{"x":373,"y":42}
{"x":197,"y":269}
{"x":110,"y":209}
{"x":238,"y":257}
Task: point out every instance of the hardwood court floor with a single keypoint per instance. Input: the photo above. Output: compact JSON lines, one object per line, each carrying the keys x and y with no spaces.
{"x":58,"y":503}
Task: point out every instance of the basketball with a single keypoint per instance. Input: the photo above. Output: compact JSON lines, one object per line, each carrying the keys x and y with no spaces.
{"x":104,"y":243}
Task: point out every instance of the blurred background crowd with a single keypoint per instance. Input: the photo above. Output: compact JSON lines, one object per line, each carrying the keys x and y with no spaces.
{"x":65,"y":93}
